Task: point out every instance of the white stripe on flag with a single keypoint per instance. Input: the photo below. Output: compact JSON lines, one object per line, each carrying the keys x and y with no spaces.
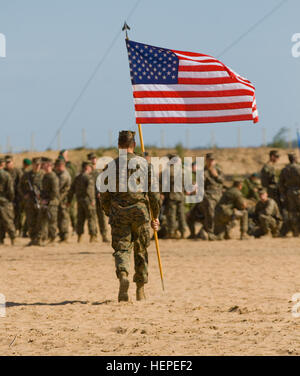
{"x":191,"y":114}
{"x":237,"y":99}
{"x":178,"y":87}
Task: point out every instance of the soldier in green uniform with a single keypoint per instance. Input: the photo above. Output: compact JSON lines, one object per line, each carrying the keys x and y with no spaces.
{"x":16,"y":175}
{"x":267,"y":216}
{"x":72,"y":170}
{"x":231,"y":206}
{"x":289,"y":186}
{"x":63,"y":217}
{"x":49,"y":201}
{"x":174,"y":205}
{"x":30,"y":188}
{"x":128,"y":212}
{"x":6,"y":205}
{"x":204,"y":211}
{"x":99,"y":211}
{"x":27,"y":163}
{"x":270,"y":177}
{"x":83,"y":187}
{"x":251,"y":187}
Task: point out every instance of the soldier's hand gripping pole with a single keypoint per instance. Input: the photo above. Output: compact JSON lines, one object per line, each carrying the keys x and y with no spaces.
{"x":155,"y":232}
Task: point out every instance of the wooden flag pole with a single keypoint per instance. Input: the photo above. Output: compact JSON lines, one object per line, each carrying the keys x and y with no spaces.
{"x":155,"y":232}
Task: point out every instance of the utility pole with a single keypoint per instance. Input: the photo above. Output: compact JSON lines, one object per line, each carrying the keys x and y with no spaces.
{"x":32,"y":142}
{"x":83,"y":138}
{"x":162,"y":139}
{"x":212,"y":139}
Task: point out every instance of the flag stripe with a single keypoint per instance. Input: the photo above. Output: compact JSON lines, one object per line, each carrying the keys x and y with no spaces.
{"x":189,"y":114}
{"x":210,"y":119}
{"x":191,"y":94}
{"x":192,"y":107}
{"x":197,"y":100}
{"x":191,"y":88}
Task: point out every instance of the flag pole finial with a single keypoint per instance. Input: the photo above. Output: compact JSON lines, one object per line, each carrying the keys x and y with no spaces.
{"x":125,"y":28}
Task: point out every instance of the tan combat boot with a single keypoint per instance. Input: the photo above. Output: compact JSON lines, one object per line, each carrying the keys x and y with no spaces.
{"x":124,"y":286}
{"x":245,"y":236}
{"x":105,"y":239}
{"x":93,"y":239}
{"x":79,"y":238}
{"x":140,"y":293}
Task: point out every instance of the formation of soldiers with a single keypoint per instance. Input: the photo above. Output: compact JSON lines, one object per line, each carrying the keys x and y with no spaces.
{"x":38,"y":200}
{"x":44,"y":199}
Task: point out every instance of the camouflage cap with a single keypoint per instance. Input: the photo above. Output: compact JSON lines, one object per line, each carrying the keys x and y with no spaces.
{"x":84,"y":164}
{"x":47,"y":160}
{"x":60,"y":161}
{"x":8,"y":158}
{"x":275,"y":153}
{"x":292,"y":155}
{"x":262,"y":191}
{"x":37,"y":160}
{"x":126,"y":137}
{"x":91,"y":156}
{"x":2,"y":160}
{"x":210,"y":156}
{"x":237,"y":181}
{"x":27,"y":162}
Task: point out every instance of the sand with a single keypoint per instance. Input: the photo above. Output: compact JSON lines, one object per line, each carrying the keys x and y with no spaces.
{"x":222,"y":298}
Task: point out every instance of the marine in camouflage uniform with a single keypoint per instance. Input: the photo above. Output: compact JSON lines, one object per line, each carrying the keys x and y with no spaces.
{"x":251,"y":187}
{"x":72,"y":170}
{"x":289,"y":186}
{"x":6,"y":205}
{"x":16,"y":175}
{"x":231,"y":206}
{"x":47,"y":217}
{"x":213,"y":188}
{"x":63,"y":217}
{"x":174,"y":205}
{"x":129,"y":219}
{"x":99,"y":210}
{"x":30,"y":188}
{"x":27,"y":163}
{"x":83,"y":187}
{"x":267,"y":216}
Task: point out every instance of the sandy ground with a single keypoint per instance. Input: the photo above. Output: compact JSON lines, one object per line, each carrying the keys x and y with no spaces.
{"x":229,"y":297}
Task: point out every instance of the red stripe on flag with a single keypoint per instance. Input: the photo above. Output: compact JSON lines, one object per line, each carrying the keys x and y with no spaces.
{"x":192,"y":107}
{"x":183,"y":120}
{"x":200,"y":68}
{"x":207,"y":81}
{"x":191,"y":94}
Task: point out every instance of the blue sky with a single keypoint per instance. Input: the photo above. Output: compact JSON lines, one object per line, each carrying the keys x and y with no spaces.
{"x":54,"y":46}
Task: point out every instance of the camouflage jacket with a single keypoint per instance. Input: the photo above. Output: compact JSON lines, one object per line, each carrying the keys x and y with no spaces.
{"x":269,"y":208}
{"x":250,"y":189}
{"x":64,"y":185}
{"x":172,"y":195}
{"x":35,"y":179}
{"x":7,"y":193}
{"x":83,"y":187}
{"x":16,"y":175}
{"x":213,"y":185}
{"x":231,"y":199}
{"x":72,"y":170}
{"x":130,"y":207}
{"x":50,"y":188}
{"x":289,"y":178}
{"x":269,"y":176}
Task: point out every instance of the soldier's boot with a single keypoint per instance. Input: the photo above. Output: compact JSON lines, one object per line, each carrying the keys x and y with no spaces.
{"x":13,"y":241}
{"x":64,"y":240}
{"x":105,"y":238}
{"x":93,"y":239}
{"x":140,"y":293}
{"x":79,"y":239}
{"x":245,"y":236}
{"x":173,"y":235}
{"x":182,"y":235}
{"x":51,"y":242}
{"x":202,"y":234}
{"x":124,"y":286}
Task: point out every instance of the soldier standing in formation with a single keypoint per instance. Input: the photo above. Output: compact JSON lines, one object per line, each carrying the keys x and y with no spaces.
{"x":129,"y":219}
{"x":83,"y":187}
{"x":7,"y":195}
{"x":99,"y":211}
{"x":289,"y":186}
{"x":47,"y":216}
{"x":63,"y":217}
{"x":30,"y":188}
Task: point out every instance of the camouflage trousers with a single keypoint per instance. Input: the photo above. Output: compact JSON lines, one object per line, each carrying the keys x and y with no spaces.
{"x":72,"y":214}
{"x":47,"y":222}
{"x":101,"y":218}
{"x":32,"y":214}
{"x":196,"y":214}
{"x":63,"y":221}
{"x":7,"y":221}
{"x":203,"y":212}
{"x":224,"y":221}
{"x":124,"y":237}
{"x":293,"y":204}
{"x":86,"y":211}
{"x":266,"y":224}
{"x":175,"y":214}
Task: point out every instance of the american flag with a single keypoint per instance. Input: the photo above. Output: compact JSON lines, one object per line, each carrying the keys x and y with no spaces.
{"x":172,"y":86}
